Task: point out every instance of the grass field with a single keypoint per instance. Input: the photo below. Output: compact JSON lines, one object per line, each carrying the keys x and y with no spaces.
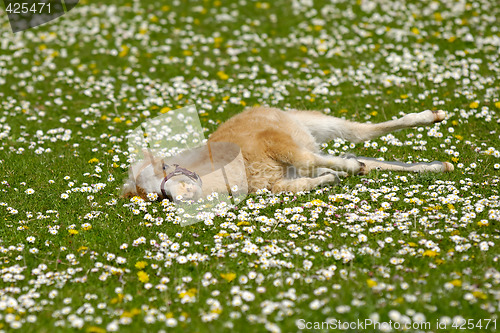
{"x":391,"y":248}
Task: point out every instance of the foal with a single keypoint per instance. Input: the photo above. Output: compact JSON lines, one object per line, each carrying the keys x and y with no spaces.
{"x":280,"y":152}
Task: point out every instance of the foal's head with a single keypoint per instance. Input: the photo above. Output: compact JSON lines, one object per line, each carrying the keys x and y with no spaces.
{"x":153,"y":175}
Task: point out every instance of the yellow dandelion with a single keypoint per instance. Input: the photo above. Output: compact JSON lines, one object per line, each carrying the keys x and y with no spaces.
{"x":317,"y":202}
{"x":95,"y":329}
{"x":430,"y":253}
{"x":479,"y":294}
{"x":124,"y":51}
{"x":218,"y":41}
{"x":143,"y":276}
{"x":140,"y":264}
{"x":191,"y":293}
{"x":474,"y":105}
{"x":243,"y":223}
{"x":117,"y":299}
{"x":222,"y":75}
{"x":228,"y":276}
{"x":399,"y":300}
{"x":130,"y":314}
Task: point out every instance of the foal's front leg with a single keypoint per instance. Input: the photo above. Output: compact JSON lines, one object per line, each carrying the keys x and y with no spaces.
{"x":312,"y":164}
{"x":304,"y":183}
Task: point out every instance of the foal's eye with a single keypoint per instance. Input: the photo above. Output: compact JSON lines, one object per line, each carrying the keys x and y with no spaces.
{"x":165,"y":166}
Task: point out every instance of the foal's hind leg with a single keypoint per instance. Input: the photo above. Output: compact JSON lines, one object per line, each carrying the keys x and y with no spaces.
{"x":326,"y":128}
{"x":374,"y":164}
{"x":281,"y":147}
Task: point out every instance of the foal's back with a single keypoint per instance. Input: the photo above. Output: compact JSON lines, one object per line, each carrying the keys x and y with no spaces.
{"x":257,"y":127}
{"x":265,"y":136}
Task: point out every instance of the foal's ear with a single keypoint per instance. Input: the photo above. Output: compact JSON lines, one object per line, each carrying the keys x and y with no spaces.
{"x":157,"y":163}
{"x":148,"y":156}
{"x":158,"y":166}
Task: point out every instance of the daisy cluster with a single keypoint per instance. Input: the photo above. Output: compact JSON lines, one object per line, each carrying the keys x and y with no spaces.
{"x":409,"y":248}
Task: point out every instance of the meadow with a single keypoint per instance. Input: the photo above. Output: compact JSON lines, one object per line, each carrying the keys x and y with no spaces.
{"x":405,"y":249}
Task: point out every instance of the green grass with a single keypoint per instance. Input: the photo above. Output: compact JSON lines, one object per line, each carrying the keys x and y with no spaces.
{"x":102,"y":69}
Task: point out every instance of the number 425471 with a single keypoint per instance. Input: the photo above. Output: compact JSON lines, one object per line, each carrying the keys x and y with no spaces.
{"x":23,"y":8}
{"x":472,"y":323}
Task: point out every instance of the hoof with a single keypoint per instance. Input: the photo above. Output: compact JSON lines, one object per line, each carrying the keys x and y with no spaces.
{"x":363,"y":170}
{"x":332,"y":179}
{"x":335,"y":173}
{"x":439,"y":115}
{"x":448,"y":167}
